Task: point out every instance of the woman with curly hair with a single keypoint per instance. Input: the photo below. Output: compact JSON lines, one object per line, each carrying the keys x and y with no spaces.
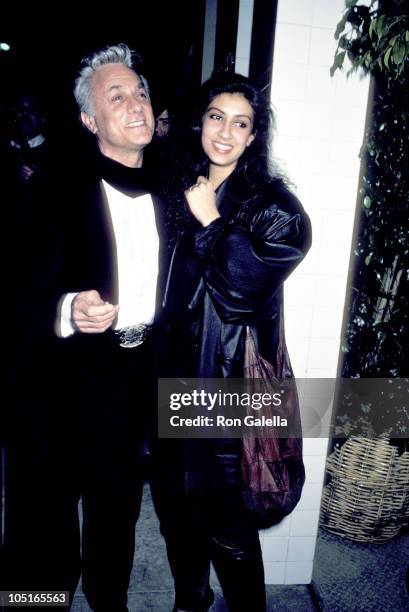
{"x":244,"y":235}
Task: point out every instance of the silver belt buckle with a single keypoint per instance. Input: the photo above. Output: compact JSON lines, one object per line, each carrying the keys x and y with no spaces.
{"x":133,"y":336}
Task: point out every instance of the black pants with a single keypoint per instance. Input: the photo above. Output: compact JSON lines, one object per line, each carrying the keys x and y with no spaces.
{"x":78,"y":436}
{"x":203,"y":527}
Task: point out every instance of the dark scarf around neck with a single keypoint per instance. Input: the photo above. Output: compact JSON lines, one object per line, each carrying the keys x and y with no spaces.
{"x":132,"y":182}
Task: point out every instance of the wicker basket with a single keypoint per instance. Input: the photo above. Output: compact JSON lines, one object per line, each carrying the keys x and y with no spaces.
{"x":367,"y":498}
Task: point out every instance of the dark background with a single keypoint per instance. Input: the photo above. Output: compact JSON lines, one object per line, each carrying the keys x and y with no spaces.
{"x":48,"y":40}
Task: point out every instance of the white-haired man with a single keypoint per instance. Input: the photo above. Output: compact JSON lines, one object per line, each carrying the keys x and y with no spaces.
{"x":93,"y":288}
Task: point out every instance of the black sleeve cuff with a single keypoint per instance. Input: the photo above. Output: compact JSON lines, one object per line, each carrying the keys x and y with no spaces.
{"x":205,"y":237}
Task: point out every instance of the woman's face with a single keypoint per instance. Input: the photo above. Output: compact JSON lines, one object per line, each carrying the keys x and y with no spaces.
{"x":227,"y":129}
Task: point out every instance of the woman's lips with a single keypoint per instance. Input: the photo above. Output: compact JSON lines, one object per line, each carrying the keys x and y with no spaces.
{"x":222,"y":148}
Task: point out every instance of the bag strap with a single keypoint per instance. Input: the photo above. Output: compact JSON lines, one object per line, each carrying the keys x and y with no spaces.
{"x":251,"y":353}
{"x":284,"y":368}
{"x":283,"y":365}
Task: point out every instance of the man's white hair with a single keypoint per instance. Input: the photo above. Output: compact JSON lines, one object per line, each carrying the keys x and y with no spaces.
{"x":116,"y":54}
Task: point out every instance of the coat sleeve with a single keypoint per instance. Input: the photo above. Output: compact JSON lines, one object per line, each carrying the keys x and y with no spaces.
{"x":246,"y":262}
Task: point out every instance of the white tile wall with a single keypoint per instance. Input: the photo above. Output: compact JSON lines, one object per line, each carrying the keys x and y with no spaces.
{"x":336,"y":227}
{"x":304,"y":523}
{"x":314,"y":468}
{"x":298,"y":573}
{"x":290,"y":81}
{"x":340,"y":197}
{"x":310,"y":497}
{"x":290,"y":117}
{"x":322,"y":351}
{"x":292,"y":43}
{"x":350,"y":96}
{"x":334,"y":253}
{"x":321,"y":52}
{"x":275,"y":549}
{"x":299,"y":360}
{"x":344,"y":155}
{"x":316,"y":118}
{"x":332,"y":293}
{"x":320,"y":122}
{"x":326,"y":14}
{"x":303,"y":317}
{"x":301,"y":549}
{"x":301,"y":293}
{"x":325,"y":321}
{"x":296,"y":12}
{"x":274,"y":573}
{"x":312,"y":446}
{"x":319,"y":372}
{"x":346,"y":125}
{"x":320,"y":88}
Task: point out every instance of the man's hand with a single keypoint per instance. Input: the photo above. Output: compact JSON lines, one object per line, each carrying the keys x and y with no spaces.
{"x":201,"y":199}
{"x":90,"y":314}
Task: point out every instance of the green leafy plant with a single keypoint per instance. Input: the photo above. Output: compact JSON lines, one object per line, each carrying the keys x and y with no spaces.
{"x":375,"y":39}
{"x":372,"y":39}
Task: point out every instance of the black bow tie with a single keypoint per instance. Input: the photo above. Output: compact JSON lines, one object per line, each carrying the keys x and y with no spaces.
{"x":132,"y":182}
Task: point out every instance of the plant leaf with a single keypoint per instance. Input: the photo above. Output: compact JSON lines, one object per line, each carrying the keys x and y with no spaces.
{"x":372,"y":28}
{"x":340,"y":59}
{"x":367,"y":59}
{"x":387,"y":56}
{"x":379,"y":26}
{"x":340,"y":27}
{"x":338,"y":62}
{"x":399,"y":51}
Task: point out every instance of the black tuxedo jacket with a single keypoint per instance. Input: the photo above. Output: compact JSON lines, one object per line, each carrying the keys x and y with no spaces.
{"x":66,"y":241}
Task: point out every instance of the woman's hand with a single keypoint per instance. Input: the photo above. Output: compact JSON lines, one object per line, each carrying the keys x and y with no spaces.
{"x":201,"y":199}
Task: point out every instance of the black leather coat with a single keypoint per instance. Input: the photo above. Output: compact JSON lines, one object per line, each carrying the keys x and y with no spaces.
{"x":230,"y":274}
{"x":222,"y":278}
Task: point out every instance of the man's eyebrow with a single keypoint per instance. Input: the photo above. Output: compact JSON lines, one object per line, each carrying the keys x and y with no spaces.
{"x":119,"y":86}
{"x":111,"y":87}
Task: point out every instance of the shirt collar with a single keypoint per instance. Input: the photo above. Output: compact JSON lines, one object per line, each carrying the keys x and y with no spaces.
{"x":130,"y":181}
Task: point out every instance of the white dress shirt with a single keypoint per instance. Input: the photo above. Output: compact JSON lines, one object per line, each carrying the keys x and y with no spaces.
{"x":137,"y":245}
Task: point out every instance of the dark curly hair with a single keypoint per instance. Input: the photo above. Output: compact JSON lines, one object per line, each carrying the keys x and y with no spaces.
{"x":254,"y":166}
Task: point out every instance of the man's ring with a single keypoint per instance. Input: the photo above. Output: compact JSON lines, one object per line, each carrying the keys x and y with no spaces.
{"x":193,"y":186}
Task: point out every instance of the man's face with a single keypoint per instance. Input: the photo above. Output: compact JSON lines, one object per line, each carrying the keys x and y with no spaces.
{"x":123,"y":119}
